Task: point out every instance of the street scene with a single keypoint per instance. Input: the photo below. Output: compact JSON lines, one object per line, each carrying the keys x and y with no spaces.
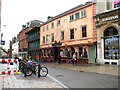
{"x":62,"y":45}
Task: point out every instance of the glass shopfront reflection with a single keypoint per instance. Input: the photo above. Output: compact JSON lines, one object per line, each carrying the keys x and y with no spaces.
{"x":112,"y":47}
{"x":111,"y":42}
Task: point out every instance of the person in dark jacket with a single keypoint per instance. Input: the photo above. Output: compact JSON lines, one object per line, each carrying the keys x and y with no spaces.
{"x":59,"y":59}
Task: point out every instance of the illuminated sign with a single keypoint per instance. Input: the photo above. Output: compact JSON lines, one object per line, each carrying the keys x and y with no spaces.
{"x":116,"y":3}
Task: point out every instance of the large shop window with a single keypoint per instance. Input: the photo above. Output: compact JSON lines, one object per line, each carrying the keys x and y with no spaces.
{"x":44,"y":52}
{"x":111,"y":42}
{"x":65,"y":51}
{"x":72,"y":51}
{"x":48,"y":53}
{"x":80,"y":51}
{"x":51,"y":52}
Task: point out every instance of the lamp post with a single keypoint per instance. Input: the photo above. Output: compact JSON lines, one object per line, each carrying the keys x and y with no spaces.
{"x":56,"y":50}
{"x":0,"y":43}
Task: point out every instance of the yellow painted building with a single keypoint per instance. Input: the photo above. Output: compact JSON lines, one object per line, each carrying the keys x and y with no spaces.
{"x":75,"y":29}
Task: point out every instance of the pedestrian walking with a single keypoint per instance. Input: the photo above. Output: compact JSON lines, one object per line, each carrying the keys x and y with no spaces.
{"x":74,"y":59}
{"x":37,"y":57}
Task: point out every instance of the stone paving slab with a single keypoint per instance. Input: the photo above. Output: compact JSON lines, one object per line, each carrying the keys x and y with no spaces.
{"x":18,"y":81}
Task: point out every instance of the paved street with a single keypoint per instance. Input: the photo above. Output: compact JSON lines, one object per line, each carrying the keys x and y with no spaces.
{"x":81,"y":79}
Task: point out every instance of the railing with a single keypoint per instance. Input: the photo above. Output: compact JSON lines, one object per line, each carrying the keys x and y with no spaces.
{"x":65,"y":60}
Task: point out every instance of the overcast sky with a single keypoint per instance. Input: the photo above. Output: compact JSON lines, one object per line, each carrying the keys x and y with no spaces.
{"x":16,"y":13}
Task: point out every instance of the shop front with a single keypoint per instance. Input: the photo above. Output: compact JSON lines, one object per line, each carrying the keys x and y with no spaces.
{"x":108,"y":37}
{"x":86,"y":53}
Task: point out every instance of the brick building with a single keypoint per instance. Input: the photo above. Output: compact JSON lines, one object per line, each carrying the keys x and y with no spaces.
{"x":75,"y":29}
{"x":23,"y":41}
{"x":25,"y":34}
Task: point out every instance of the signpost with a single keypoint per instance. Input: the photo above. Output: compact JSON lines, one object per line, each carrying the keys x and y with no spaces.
{"x":3,"y":42}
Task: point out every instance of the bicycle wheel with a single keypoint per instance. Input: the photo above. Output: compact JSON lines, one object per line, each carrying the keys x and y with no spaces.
{"x":24,"y":73}
{"x":28,"y":71}
{"x":43,"y":71}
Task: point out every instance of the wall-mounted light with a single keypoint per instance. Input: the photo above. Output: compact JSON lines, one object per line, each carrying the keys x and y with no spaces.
{"x":89,"y":41}
{"x":75,"y":29}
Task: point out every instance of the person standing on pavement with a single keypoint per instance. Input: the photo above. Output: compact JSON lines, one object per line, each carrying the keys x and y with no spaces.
{"x":74,"y":59}
{"x":37,"y":57}
{"x":20,"y":59}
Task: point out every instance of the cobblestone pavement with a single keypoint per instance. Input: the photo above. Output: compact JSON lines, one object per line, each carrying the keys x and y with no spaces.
{"x":18,"y":81}
{"x":103,"y":69}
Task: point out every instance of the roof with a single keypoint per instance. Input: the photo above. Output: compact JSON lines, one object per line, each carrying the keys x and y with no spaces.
{"x":35,"y":23}
{"x":69,"y":11}
{"x":32,"y":24}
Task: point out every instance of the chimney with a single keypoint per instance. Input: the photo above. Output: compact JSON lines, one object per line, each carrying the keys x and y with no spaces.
{"x":23,"y":27}
{"x":49,"y":17}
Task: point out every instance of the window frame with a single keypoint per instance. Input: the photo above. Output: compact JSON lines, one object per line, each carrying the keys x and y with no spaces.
{"x":71,"y":35}
{"x":62,"y":35}
{"x":47,"y":39}
{"x":83,"y":13}
{"x":77,"y":15}
{"x":84,"y":31}
{"x":52,"y":25}
{"x":52,"y":37}
{"x":47,"y":27}
{"x":71,"y":17}
{"x":58,"y":22}
{"x":43,"y":28}
{"x":43,"y":39}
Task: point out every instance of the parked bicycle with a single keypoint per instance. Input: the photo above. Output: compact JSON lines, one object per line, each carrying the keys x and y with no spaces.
{"x":29,"y":68}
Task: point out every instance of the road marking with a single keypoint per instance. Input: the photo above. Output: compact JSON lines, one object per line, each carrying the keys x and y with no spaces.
{"x":57,"y":81}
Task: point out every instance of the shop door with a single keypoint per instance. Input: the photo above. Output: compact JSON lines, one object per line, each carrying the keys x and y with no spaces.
{"x":92,"y":54}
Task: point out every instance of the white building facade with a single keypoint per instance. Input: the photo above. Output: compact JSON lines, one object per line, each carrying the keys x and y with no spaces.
{"x":108,"y":31}
{"x":15,"y":50}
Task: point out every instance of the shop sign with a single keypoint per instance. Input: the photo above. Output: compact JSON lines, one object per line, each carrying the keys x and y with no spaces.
{"x":110,"y":18}
{"x":116,"y":3}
